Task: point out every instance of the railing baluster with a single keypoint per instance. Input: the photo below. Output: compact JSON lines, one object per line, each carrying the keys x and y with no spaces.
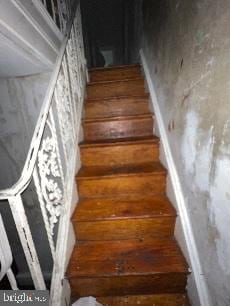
{"x":61,"y":14}
{"x":56,"y":144}
{"x":73,"y":77}
{"x":64,"y":104}
{"x":64,"y":13}
{"x":44,"y":212}
{"x":12,"y":280}
{"x":53,"y":11}
{"x":70,"y":95}
{"x":77,"y":54}
{"x":27,"y":242}
{"x":44,"y":2}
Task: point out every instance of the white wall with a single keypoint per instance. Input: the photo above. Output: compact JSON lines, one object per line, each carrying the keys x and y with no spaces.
{"x":29,"y":39}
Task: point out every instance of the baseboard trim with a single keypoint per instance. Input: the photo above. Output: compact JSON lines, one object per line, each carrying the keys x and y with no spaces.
{"x":200,"y":280}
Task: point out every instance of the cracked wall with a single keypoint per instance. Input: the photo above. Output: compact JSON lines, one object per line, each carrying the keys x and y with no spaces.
{"x":187,"y":45}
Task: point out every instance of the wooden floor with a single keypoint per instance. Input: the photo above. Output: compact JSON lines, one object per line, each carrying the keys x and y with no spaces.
{"x":126,"y":253}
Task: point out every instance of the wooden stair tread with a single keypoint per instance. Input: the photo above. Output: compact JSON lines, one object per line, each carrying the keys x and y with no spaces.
{"x":108,"y":89}
{"x":121,"y":141}
{"x":120,"y":80}
{"x":120,"y":170}
{"x":115,"y":73}
{"x":117,"y":118}
{"x":118,"y":127}
{"x":115,"y":82}
{"x":144,"y":95}
{"x":126,"y":257}
{"x":117,"y":107}
{"x":123,"y":208}
{"x":112,"y":100}
{"x":118,"y":67}
{"x":136,"y":150}
{"x":146,"y":300}
{"x":118,"y":218}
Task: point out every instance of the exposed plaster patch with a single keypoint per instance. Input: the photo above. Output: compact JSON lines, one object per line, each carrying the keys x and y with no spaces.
{"x":210,"y":62}
{"x":220,"y":212}
{"x":197,"y":153}
{"x":188,"y":148}
{"x":226,"y":128}
{"x":201,"y":37}
{"x":203,"y":163}
{"x":225,"y":140}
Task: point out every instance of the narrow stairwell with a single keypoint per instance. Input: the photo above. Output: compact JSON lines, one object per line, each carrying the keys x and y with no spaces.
{"x":126,"y":253}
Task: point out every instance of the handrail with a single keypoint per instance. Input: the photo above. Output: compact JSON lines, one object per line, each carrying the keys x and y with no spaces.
{"x":29,"y":165}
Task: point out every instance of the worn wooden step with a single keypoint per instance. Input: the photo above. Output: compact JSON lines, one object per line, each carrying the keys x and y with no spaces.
{"x":126,"y":179}
{"x":128,"y":151}
{"x":124,"y":267}
{"x":145,"y":300}
{"x":119,"y":127}
{"x":124,"y":222}
{"x":115,"y":73}
{"x":123,"y":218}
{"x":110,"y":89}
{"x":114,"y":107}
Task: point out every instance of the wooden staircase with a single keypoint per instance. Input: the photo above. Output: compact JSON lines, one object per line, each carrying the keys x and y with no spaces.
{"x":126,"y":253}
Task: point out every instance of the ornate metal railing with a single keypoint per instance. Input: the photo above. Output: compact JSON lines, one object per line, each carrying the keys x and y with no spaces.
{"x":59,"y":11}
{"x":51,"y":162}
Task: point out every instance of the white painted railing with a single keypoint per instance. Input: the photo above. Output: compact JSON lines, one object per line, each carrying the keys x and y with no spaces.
{"x":51,"y":160}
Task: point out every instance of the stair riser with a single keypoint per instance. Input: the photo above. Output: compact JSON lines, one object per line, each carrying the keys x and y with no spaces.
{"x":119,"y":154}
{"x":145,"y":300}
{"x":118,"y":129}
{"x":128,"y":228}
{"x":125,"y":285}
{"x":150,"y":184}
{"x":115,"y":89}
{"x":115,"y":74}
{"x":109,"y":108}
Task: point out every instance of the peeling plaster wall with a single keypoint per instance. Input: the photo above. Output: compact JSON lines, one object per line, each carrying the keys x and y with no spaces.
{"x":187,"y":45}
{"x":20,"y":103}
